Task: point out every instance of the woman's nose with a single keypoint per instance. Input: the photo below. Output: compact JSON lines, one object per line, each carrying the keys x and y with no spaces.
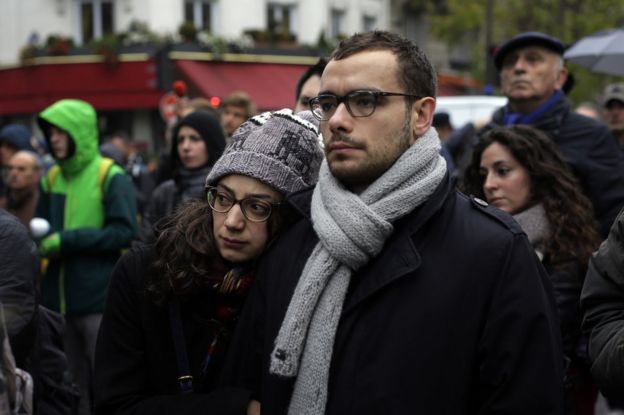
{"x":490,"y":183}
{"x":234,"y":218}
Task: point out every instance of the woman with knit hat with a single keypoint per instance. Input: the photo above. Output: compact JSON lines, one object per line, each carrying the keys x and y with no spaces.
{"x":173,"y":305}
{"x":198,"y":141}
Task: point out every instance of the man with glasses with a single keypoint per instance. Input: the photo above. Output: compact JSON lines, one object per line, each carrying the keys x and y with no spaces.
{"x":394,"y":293}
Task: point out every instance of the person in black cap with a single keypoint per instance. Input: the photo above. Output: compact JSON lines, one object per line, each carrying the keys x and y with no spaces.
{"x":198,"y":141}
{"x":533,"y":76}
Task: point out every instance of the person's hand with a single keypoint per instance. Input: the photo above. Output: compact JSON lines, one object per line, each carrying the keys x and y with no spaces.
{"x":50,"y":246}
{"x":253,"y":408}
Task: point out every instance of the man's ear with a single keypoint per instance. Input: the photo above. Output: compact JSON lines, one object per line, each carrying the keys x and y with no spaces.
{"x":422,"y":116}
{"x":561,"y":76}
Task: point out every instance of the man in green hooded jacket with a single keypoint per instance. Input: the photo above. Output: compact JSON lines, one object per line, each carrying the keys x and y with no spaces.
{"x":91,"y":206}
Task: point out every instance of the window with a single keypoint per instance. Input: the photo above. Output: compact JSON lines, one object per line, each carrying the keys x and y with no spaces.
{"x":369,"y":23}
{"x":202,"y":13}
{"x":95,"y":19}
{"x":337,"y":22}
{"x":281,"y":20}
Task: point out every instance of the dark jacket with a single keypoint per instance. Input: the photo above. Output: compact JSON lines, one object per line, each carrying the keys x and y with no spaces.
{"x":168,"y":196}
{"x":454,"y":316}
{"x":567,"y":280}
{"x":602,"y":301}
{"x":592,"y":152}
{"x":135,"y":359}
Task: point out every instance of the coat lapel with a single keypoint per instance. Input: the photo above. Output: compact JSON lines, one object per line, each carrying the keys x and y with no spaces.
{"x":400,"y":256}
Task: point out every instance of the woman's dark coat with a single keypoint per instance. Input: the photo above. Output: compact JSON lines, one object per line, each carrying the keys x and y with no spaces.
{"x":135,"y":362}
{"x":455,"y":316}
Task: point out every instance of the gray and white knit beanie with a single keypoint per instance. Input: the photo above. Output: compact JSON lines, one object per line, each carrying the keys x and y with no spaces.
{"x":278,"y":148}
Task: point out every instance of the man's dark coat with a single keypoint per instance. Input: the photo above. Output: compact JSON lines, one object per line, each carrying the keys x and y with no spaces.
{"x":455,"y":316}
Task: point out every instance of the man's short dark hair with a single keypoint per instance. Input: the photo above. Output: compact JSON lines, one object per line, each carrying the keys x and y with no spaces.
{"x":416,"y":74}
{"x":314,"y":70}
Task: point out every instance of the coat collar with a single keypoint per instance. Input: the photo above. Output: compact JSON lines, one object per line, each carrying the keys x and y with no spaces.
{"x":400,"y":255}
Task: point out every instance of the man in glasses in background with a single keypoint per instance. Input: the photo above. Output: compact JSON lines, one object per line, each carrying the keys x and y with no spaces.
{"x":394,"y":293}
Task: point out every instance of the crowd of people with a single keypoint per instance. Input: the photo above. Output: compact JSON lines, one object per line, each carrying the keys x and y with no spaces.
{"x":355,"y":255}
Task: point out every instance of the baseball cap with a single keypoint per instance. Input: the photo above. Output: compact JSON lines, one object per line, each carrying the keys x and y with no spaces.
{"x":613,"y":92}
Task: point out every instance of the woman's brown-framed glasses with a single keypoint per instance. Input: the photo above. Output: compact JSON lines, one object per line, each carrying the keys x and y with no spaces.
{"x":253,"y":208}
{"x":358,"y":103}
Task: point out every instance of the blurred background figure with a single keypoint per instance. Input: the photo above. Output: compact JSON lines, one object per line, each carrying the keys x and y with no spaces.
{"x":198,"y":142}
{"x":198,"y":103}
{"x":442,"y":123}
{"x":24,"y":173}
{"x":613,"y":107}
{"x":519,"y":170}
{"x":132,"y":162}
{"x":533,"y":77}
{"x":35,"y":332}
{"x":235,"y":109}
{"x":589,"y":109}
{"x":308,"y":86}
{"x":90,"y":205}
{"x":603,"y":306}
{"x":13,"y":137}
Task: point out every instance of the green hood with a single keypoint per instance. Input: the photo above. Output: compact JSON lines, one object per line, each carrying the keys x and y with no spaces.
{"x":79,"y":120}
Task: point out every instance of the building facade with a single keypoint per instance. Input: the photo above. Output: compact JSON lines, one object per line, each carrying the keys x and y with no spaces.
{"x":122,"y":55}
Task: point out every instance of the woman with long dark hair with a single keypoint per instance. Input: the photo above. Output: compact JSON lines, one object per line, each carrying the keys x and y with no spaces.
{"x":172,"y":306}
{"x":519,"y":170}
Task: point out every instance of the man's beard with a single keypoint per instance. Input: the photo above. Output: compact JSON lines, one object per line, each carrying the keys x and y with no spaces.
{"x":367,"y":173}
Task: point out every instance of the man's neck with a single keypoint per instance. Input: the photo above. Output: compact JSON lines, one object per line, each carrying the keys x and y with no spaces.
{"x":525,"y":107}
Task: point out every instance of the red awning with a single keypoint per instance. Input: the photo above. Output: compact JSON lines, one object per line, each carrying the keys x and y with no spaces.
{"x":271,"y":86}
{"x":127,"y":85}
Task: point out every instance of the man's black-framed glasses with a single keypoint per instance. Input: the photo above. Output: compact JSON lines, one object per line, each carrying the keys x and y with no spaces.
{"x":253,"y":208}
{"x":358,"y":103}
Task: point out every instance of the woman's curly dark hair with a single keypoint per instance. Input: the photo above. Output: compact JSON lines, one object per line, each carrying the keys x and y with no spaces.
{"x":186,"y":256}
{"x":574,"y":231}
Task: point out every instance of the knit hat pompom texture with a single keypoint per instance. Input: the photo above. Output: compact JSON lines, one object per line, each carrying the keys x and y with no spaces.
{"x":278,"y":148}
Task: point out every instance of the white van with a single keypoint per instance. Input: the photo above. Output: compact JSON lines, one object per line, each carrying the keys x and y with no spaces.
{"x":469,"y":108}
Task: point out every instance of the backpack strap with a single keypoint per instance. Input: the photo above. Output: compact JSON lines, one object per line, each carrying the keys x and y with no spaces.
{"x":105,"y":166}
{"x":103,"y":169}
{"x":185,"y":379}
{"x":52,"y":175}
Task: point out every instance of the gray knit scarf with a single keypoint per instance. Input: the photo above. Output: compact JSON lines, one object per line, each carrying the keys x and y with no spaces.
{"x":352,"y":229}
{"x":535,"y":224}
